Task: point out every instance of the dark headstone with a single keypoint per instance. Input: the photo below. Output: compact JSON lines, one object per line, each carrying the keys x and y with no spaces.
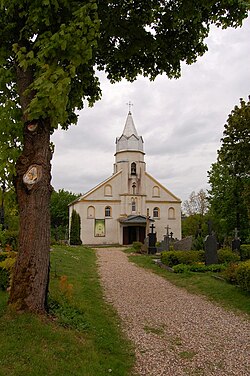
{"x":211,"y":256}
{"x":236,"y":245}
{"x":152,"y":241}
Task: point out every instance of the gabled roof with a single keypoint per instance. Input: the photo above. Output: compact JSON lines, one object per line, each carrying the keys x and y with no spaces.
{"x":135,"y":219}
{"x":95,"y":188}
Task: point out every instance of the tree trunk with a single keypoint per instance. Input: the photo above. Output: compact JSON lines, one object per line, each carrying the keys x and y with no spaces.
{"x":28,"y":291}
{"x":33,"y":189}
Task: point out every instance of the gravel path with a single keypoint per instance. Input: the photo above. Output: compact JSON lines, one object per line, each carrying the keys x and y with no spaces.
{"x":174,"y":332}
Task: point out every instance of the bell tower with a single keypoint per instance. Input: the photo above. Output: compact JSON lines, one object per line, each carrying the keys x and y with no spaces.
{"x":129,"y":158}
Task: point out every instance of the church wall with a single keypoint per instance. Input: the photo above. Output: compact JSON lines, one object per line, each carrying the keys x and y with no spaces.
{"x":110,"y":234}
{"x":166,"y":219}
{"x":159,"y":197}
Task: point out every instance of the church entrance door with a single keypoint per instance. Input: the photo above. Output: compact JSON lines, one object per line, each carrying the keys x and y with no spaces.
{"x":133,"y":234}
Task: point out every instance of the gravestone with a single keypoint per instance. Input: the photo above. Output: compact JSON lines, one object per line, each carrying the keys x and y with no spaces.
{"x":211,"y":256}
{"x":152,"y":241}
{"x":184,"y":244}
{"x":236,"y":242}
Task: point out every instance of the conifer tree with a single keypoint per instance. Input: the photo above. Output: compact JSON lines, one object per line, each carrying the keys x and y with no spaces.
{"x":75,"y":229}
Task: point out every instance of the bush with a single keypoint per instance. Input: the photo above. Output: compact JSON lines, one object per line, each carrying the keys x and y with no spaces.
{"x":6,"y":268}
{"x":243,"y":275}
{"x":230,"y":273}
{"x":226,"y":256}
{"x":245,"y":252}
{"x":4,"y":279}
{"x":200,"y":268}
{"x":137,"y":246}
{"x":9,"y":239}
{"x":172,"y":258}
{"x":181,"y":268}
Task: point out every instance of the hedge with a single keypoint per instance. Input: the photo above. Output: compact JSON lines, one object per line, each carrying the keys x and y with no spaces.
{"x":226,"y":256}
{"x":171,"y":258}
{"x":201,"y":268}
{"x":243,"y":275}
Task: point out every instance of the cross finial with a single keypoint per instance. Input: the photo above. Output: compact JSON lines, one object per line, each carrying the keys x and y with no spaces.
{"x":129,"y":104}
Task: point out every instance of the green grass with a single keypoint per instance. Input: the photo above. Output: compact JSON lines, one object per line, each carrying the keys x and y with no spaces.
{"x":85,"y":339}
{"x":228,"y":296}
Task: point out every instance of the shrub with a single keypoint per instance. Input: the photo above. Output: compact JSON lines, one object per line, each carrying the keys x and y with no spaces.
{"x":243,"y":275}
{"x":3,"y":256}
{"x":9,"y":239}
{"x":172,"y":258}
{"x":245,"y":252}
{"x":181,"y":268}
{"x":6,"y":268}
{"x":226,"y":256}
{"x":200,"y":268}
{"x":4,"y":279}
{"x":137,"y":246}
{"x":230,"y":273}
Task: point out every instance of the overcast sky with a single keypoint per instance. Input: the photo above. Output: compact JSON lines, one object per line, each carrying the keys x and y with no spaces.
{"x":181,"y":121}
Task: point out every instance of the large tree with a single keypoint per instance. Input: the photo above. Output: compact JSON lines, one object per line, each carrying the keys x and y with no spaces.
{"x":229,"y":177}
{"x":49,"y":52}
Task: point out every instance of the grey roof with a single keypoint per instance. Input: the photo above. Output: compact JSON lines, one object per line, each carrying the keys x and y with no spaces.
{"x":135,"y":219}
{"x":129,"y":140}
{"x":129,"y":127}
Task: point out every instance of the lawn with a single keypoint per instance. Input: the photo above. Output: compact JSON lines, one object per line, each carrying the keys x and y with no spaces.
{"x":84,"y":339}
{"x":228,"y":296}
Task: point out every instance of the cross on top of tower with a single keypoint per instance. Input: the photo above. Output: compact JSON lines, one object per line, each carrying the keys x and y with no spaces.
{"x":129,"y":104}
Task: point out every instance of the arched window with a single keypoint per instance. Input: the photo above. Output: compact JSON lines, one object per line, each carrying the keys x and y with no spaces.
{"x":107,"y":190}
{"x":133,"y":168}
{"x":108,"y":211}
{"x":91,"y":212}
{"x":156,"y":213}
{"x":171,"y":213}
{"x":156,"y":191}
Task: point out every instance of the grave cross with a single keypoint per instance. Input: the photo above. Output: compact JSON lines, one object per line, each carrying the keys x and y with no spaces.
{"x":236,"y":233}
{"x":168,"y":228}
{"x":152,"y":228}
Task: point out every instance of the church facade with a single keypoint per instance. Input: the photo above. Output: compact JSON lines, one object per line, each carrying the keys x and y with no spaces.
{"x":120,"y":209}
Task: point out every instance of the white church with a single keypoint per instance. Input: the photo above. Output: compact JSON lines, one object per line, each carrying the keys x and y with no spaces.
{"x":120,"y":209}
